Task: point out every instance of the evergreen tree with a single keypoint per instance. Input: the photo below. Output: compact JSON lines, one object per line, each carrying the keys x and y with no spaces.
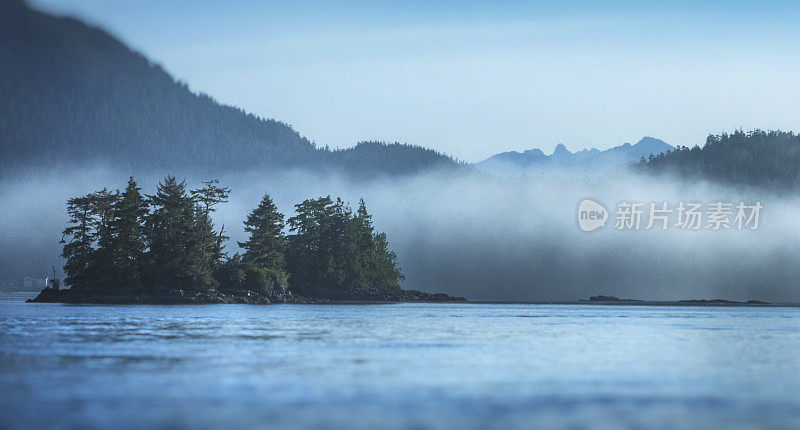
{"x":307,"y":253}
{"x":230,"y":274}
{"x":266,"y":243}
{"x":335,"y":250}
{"x":386,"y":274}
{"x":88,"y":252}
{"x":210,"y":195}
{"x":203,"y":248}
{"x":118,"y":246}
{"x":206,"y":198}
{"x":174,"y":257}
{"x":376,"y":263}
{"x":101,"y":266}
{"x":79,"y":251}
{"x":363,"y":258}
{"x":128,"y":243}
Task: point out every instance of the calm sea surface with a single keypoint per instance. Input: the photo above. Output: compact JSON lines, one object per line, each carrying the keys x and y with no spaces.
{"x":397,"y":366}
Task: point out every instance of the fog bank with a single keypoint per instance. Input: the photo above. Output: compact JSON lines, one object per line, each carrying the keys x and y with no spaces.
{"x":481,"y":237}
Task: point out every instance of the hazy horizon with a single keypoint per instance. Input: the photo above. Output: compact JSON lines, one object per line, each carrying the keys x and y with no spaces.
{"x":477,"y":79}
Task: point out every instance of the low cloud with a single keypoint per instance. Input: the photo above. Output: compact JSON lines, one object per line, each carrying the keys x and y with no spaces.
{"x":479,"y":236}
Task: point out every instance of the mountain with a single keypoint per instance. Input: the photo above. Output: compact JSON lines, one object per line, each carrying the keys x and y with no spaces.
{"x":764,"y":159}
{"x":71,"y":93}
{"x":586,"y":160}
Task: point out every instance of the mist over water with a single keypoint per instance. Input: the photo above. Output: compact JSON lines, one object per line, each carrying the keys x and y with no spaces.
{"x":478,"y":236}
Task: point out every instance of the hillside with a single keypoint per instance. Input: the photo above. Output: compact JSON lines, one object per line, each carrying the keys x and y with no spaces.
{"x":72,"y":93}
{"x":371,"y":159}
{"x":765,"y":159}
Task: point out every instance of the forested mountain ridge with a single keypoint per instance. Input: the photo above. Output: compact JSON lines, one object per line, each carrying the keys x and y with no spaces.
{"x":72,"y":93}
{"x":765,"y":159}
{"x":380,"y":158}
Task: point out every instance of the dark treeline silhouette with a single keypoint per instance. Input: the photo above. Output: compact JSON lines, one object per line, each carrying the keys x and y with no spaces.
{"x":376,"y":159}
{"x":127,"y":244}
{"x":72,"y":94}
{"x":765,"y":159}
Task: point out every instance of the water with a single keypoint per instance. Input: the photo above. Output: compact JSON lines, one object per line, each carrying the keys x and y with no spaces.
{"x":397,"y":366}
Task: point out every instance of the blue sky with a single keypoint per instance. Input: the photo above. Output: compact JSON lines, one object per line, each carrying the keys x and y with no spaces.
{"x":475,"y":78}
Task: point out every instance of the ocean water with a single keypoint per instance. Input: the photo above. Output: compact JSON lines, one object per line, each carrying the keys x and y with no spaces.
{"x":456,"y":366}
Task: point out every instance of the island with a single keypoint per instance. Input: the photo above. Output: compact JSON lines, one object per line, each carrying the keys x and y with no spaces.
{"x":127,"y":248}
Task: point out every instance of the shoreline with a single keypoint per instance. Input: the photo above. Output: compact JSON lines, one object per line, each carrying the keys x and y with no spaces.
{"x":247,"y":297}
{"x":673,"y":303}
{"x":370,"y":298}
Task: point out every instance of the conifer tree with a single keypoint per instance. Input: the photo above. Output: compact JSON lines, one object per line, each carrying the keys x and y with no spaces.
{"x":306,"y":260}
{"x":99,"y":270}
{"x":88,"y":251}
{"x":363,"y":259}
{"x":265,"y":245}
{"x":210,"y":195}
{"x":386,"y":273}
{"x":118,"y":246}
{"x":335,"y":250}
{"x":79,"y":250}
{"x":206,"y":199}
{"x":169,"y":229}
{"x":202,"y":248}
{"x":127,"y":238}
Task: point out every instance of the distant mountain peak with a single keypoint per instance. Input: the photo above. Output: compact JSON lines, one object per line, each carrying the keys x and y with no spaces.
{"x":585,"y":159}
{"x":561,"y":150}
{"x":535,"y":152}
{"x":647,"y":139}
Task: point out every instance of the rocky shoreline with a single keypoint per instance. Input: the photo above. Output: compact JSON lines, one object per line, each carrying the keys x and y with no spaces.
{"x":184,"y":297}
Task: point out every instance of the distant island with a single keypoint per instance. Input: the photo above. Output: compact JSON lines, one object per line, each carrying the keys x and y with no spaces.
{"x":611,"y":300}
{"x":126,"y":247}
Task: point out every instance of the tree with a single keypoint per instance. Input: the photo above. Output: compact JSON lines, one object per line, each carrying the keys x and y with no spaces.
{"x":176,"y":258}
{"x":206,"y":198}
{"x":386,"y":273}
{"x":211,"y":194}
{"x":123,"y":243}
{"x":103,"y":203}
{"x":309,"y":256}
{"x":128,"y":242}
{"x":88,"y":253}
{"x":336,"y":251}
{"x":79,"y":251}
{"x":230,"y":274}
{"x":265,"y":245}
{"x":376,"y":263}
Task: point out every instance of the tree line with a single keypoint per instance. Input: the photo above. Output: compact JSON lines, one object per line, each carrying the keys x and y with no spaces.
{"x":128,"y":243}
{"x":765,"y":159}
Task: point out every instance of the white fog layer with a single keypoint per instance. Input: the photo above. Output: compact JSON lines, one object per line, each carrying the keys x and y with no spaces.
{"x":481,"y":237}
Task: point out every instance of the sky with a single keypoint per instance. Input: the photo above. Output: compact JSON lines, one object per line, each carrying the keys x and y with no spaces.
{"x":472,"y":79}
